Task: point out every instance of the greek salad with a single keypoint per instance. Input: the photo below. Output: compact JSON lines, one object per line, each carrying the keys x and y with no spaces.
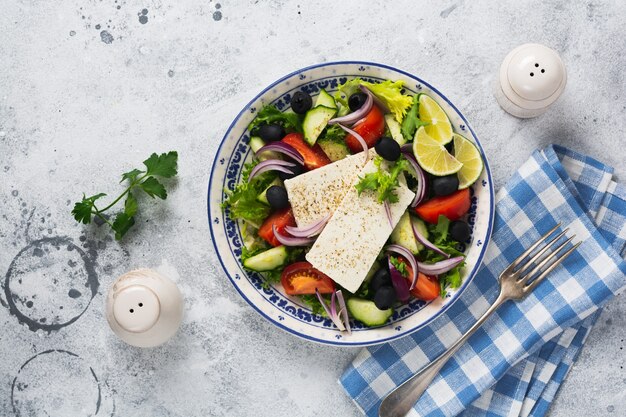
{"x":356,"y":201}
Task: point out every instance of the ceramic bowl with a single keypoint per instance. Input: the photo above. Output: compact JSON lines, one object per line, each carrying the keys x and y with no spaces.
{"x":289,"y":313}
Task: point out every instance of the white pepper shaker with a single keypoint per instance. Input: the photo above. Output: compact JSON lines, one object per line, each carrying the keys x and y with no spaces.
{"x":532,"y":77}
{"x":144,"y":308}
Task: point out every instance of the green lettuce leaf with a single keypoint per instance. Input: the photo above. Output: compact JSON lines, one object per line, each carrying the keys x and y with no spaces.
{"x":389,"y":92}
{"x":242,"y":201}
{"x":270,"y":114}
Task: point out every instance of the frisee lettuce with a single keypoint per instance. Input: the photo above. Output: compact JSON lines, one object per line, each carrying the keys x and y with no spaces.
{"x":383,"y":181}
{"x":389,"y":92}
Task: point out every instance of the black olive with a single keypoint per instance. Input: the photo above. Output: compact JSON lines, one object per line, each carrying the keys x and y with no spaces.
{"x":380,"y":278}
{"x":301,"y":102}
{"x":445,"y":185}
{"x":271,"y":133}
{"x":357,"y":100}
{"x":297,"y":170}
{"x":459,"y":231}
{"x":277,"y":197}
{"x":388,"y":148}
{"x":385,"y":297}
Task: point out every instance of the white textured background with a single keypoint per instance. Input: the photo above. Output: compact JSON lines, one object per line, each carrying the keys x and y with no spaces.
{"x":88,"y":90}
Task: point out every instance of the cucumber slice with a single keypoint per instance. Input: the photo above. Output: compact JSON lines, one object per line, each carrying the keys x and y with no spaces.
{"x":366,"y":312}
{"x":267,"y":260}
{"x":326,"y":100}
{"x":394,"y":129}
{"x":403,"y":233}
{"x":257,"y":143}
{"x":263,"y":196}
{"x":334,"y":150}
{"x":315,"y":121}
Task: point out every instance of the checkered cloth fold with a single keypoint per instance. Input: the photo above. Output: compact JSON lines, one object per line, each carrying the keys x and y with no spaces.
{"x":515,"y":363}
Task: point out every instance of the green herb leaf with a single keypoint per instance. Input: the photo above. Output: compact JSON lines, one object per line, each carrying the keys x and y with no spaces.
{"x":82,"y":210}
{"x":451,"y":279}
{"x":164,"y":165}
{"x":270,"y":114}
{"x":153,"y":188}
{"x":131,"y":175}
{"x":441,"y":230}
{"x":130,"y":205}
{"x":412,"y":122}
{"x":382,"y":181}
{"x":122,"y":223}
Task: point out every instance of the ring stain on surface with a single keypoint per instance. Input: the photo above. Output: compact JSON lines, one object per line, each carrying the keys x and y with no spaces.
{"x":41,"y":284}
{"x":57,"y":382}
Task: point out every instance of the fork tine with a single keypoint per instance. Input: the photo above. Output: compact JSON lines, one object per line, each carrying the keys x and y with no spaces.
{"x":556,"y":263}
{"x":539,"y":254}
{"x":545,"y":261}
{"x":533,"y":247}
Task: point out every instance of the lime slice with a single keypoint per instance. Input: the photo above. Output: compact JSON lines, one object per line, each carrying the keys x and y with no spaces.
{"x":433,"y":156}
{"x":439,"y":127}
{"x":467,"y":153}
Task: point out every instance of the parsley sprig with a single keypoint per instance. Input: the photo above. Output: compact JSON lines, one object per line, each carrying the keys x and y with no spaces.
{"x":164,"y":166}
{"x":383,"y":181}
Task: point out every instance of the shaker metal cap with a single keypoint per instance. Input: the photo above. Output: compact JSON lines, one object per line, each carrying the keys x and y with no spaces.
{"x":532,"y":76}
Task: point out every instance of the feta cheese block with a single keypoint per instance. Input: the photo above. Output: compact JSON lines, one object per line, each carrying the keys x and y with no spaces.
{"x":349,"y":244}
{"x":316,"y":193}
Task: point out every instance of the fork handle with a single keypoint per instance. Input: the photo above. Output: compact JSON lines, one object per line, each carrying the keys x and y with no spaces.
{"x":400,"y":401}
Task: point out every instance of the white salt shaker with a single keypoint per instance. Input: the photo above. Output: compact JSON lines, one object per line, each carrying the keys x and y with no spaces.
{"x":532,"y":77}
{"x":144,"y":308}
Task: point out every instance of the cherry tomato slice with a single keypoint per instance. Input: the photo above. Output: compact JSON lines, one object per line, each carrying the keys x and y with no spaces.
{"x":453,"y":206}
{"x":314,"y":156}
{"x":371,"y":129}
{"x":281,"y":218}
{"x":426,"y":288}
{"x":301,"y":278}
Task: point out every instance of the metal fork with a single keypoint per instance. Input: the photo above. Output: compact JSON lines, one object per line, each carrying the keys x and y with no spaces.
{"x":515,"y":284}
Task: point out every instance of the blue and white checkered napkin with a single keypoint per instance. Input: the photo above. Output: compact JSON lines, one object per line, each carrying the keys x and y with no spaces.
{"x":515,"y":363}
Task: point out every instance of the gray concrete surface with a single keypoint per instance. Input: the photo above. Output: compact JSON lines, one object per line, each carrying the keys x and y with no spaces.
{"x":89,"y":89}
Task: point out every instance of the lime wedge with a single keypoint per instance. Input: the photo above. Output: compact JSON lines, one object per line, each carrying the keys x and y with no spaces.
{"x":467,"y":153}
{"x":433,"y":156}
{"x":439,"y":127}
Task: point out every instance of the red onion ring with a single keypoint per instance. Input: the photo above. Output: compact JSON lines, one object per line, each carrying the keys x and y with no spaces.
{"x":377,"y":101}
{"x":421,"y":239}
{"x":343,"y":310}
{"x":309,"y":230}
{"x":289,"y":240}
{"x":356,"y":115}
{"x":440,"y":267}
{"x":388,"y":212}
{"x":331,"y":312}
{"x":283,"y":148}
{"x":399,"y":283}
{"x":361,"y":141}
{"x":422,"y":185}
{"x":408,"y":255}
{"x":271,"y":165}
